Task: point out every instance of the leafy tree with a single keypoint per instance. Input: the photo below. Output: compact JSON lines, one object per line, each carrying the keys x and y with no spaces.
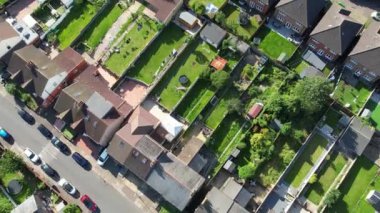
{"x":199,"y":8}
{"x":254,"y":91}
{"x":219,"y":78}
{"x":72,"y":208}
{"x":286,"y":129}
{"x":313,"y":94}
{"x":286,"y":154}
{"x":220,"y":18}
{"x":247,"y":172}
{"x":10,"y":162}
{"x":262,"y":145}
{"x":331,"y":197}
{"x":206,"y":73}
{"x":11,"y":88}
{"x":234,"y":105}
{"x":313,"y":179}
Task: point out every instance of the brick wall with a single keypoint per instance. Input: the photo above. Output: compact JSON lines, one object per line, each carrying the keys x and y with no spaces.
{"x":258,"y":6}
{"x":289,"y":22}
{"x":360,"y":71}
{"x":320,"y":49}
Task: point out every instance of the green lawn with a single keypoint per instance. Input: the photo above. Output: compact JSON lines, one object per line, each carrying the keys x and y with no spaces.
{"x":74,"y":23}
{"x":132,"y":45}
{"x":375,"y":115}
{"x":326,"y":177}
{"x":28,"y":180}
{"x":95,"y":34}
{"x":232,"y":23}
{"x":356,"y":97}
{"x":217,"y":3}
{"x":195,"y":100}
{"x":362,"y":178}
{"x":273,"y":44}
{"x":2,"y":2}
{"x":193,"y":60}
{"x":220,"y":110}
{"x":150,"y":63}
{"x":306,"y":160}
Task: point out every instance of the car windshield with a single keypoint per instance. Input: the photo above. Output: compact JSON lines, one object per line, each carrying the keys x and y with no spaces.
{"x":87,"y":203}
{"x":68,"y":187}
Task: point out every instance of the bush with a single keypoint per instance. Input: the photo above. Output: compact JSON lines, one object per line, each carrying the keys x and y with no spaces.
{"x":206,"y":73}
{"x":247,"y":172}
{"x":72,"y":208}
{"x":11,"y":88}
{"x":241,"y":145}
{"x":331,"y":197}
{"x":10,"y":162}
{"x":219,"y":79}
{"x":234,"y":105}
{"x":5,"y":205}
{"x":313,"y":179}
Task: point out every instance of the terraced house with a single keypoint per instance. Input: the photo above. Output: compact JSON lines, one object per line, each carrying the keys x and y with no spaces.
{"x":334,"y":34}
{"x":298,"y":15}
{"x":262,"y":6}
{"x":363,"y":61}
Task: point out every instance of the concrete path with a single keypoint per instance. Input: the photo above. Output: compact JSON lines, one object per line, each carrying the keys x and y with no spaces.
{"x":104,"y":46}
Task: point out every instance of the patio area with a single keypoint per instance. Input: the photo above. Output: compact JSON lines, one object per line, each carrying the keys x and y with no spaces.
{"x":132,"y":91}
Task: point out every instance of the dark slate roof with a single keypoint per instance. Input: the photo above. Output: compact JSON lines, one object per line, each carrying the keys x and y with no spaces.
{"x":336,"y":31}
{"x":214,"y":33}
{"x":357,"y":136}
{"x":367,"y":50}
{"x":304,"y":11}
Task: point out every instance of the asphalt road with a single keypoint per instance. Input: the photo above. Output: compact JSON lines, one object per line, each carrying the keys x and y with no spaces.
{"x":106,"y":197}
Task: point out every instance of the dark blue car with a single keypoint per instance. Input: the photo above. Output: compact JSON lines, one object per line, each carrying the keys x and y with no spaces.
{"x":81,"y":161}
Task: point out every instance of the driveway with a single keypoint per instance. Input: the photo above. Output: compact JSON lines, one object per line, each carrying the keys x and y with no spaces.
{"x":87,"y":182}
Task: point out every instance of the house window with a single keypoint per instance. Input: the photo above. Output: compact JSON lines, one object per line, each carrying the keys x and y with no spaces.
{"x":368,"y":78}
{"x":280,"y":18}
{"x":321,"y":52}
{"x":358,"y":73}
{"x":312,"y":46}
{"x":328,"y":56}
{"x":288,"y":25}
{"x":252,"y":4}
{"x":259,"y":7}
{"x":349,"y":65}
{"x":143,"y":160}
{"x":295,"y":28}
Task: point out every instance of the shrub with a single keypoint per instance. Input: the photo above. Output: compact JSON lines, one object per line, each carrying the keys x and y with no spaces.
{"x":5,"y":205}
{"x":247,"y":172}
{"x":72,"y":208}
{"x":219,"y":79}
{"x":11,"y":88}
{"x":313,"y":179}
{"x":331,"y":197}
{"x":241,"y":145}
{"x":10,"y":162}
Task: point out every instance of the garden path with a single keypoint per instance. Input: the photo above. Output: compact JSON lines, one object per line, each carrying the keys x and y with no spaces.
{"x":104,"y":46}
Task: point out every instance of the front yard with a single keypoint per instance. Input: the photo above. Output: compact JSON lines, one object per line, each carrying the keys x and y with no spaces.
{"x":326,"y":177}
{"x":151,"y":62}
{"x":362,"y":178}
{"x":193,"y":60}
{"x":231,"y":22}
{"x":133,"y":43}
{"x":74,"y":23}
{"x":273,"y":44}
{"x":350,"y":97}
{"x":94,"y":34}
{"x":309,"y":156}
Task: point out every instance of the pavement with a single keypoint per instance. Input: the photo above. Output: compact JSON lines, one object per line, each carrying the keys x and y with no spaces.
{"x":103,"y":188}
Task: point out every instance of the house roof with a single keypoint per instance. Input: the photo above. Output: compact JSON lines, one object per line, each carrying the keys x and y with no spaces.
{"x":31,"y":204}
{"x":336,"y":31}
{"x":213,"y":33}
{"x":149,"y":148}
{"x":98,"y":105}
{"x":303,"y":11}
{"x":163,"y":8}
{"x":68,"y":59}
{"x":9,"y":38}
{"x":368,"y":48}
{"x":255,"y":110}
{"x":357,"y":136}
{"x":236,"y":192}
{"x":190,"y":150}
{"x":175,"y":181}
{"x":269,"y":2}
{"x":188,"y":17}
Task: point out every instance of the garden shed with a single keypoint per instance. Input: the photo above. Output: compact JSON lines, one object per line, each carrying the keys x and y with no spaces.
{"x":255,"y":110}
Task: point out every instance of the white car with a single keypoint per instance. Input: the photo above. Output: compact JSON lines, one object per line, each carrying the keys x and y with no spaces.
{"x":376,"y":15}
{"x":103,"y":157}
{"x":31,"y":155}
{"x":67,"y":186}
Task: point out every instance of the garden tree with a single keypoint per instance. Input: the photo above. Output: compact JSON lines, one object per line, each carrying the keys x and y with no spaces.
{"x":243,"y":18}
{"x":206,"y":73}
{"x":5,"y":205}
{"x":331,"y":197}
{"x":247,"y":172}
{"x":262,"y":145}
{"x":254,"y":91}
{"x":286,"y":129}
{"x":72,"y":208}
{"x":219,"y":78}
{"x":10,"y":162}
{"x":234,"y":105}
{"x":220,"y":18}
{"x":312,"y":93}
{"x":286,"y":154}
{"x":198,"y":8}
{"x":11,"y":88}
{"x":313,"y":179}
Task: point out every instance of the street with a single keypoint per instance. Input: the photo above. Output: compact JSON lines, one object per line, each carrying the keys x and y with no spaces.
{"x":87,"y":182}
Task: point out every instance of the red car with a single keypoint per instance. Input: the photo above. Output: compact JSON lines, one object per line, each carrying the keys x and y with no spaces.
{"x":91,"y":205}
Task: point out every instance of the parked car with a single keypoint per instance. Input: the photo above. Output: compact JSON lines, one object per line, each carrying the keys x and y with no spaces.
{"x":5,"y":135}
{"x":103,"y":157}
{"x":81,"y":160}
{"x":26,"y":116}
{"x":31,"y":155}
{"x":91,"y":205}
{"x":44,"y":131}
{"x":60,"y":145}
{"x":376,"y":15}
{"x":67,"y":186}
{"x":48,"y":170}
